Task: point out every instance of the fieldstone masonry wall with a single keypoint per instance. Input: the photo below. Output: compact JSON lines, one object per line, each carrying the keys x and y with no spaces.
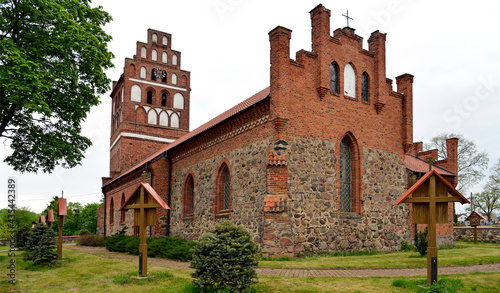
{"x":485,"y":234}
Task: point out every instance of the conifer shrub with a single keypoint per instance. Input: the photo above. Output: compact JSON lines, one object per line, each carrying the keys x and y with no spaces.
{"x":41,"y":246}
{"x":21,"y":236}
{"x":225,"y":258}
{"x":421,"y":241}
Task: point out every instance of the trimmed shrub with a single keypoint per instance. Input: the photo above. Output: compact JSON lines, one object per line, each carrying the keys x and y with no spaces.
{"x":40,"y":246}
{"x":171,"y":248}
{"x":224,"y":258}
{"x":21,"y":236}
{"x":421,"y":242}
{"x":91,"y":240}
{"x":84,"y":232}
{"x":113,"y":240}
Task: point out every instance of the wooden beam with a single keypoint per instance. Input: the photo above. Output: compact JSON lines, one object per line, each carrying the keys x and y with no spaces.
{"x":139,"y":206}
{"x":428,"y":199}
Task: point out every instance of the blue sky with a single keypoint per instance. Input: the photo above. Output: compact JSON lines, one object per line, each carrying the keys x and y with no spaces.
{"x":450,"y":48}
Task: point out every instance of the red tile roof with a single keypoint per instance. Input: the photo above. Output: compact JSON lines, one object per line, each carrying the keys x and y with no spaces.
{"x":263,"y":94}
{"x":62,"y":207}
{"x":476,"y":213}
{"x":151,"y":192}
{"x":416,"y":164}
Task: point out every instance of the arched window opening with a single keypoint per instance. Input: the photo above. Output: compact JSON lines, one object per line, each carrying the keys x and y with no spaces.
{"x":164,"y":77}
{"x":154,"y":38}
{"x":178,"y":101}
{"x":165,"y":40}
{"x":153,"y":74}
{"x":174,"y":79}
{"x":349,"y":81}
{"x":143,"y":52}
{"x":163,"y":100}
{"x":189,"y":197}
{"x":365,"y":87}
{"x":149,"y":99}
{"x":122,"y":213}
{"x":174,"y":60}
{"x":135,"y":93}
{"x":334,"y":77}
{"x":154,"y":55}
{"x":164,"y":57}
{"x":111,"y":211}
{"x":223,"y":196}
{"x":143,"y":72}
{"x":346,"y":176}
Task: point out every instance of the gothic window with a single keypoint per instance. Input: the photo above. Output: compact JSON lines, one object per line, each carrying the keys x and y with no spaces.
{"x":152,"y":117}
{"x":223,"y":196}
{"x":143,"y":52}
{"x":149,"y":98}
{"x":163,"y":119}
{"x":153,"y":74}
{"x":164,"y":57}
{"x":349,"y":81}
{"x":154,"y":38}
{"x":345,"y":176}
{"x":135,"y":95}
{"x":334,"y":77}
{"x":178,"y":101}
{"x":163,"y":100}
{"x":111,"y":211}
{"x":154,"y":55}
{"x":188,"y":203}
{"x":365,"y":87}
{"x":143,"y":72}
{"x":122,"y":213}
{"x":174,"y":79}
{"x":165,"y":40}
{"x":174,"y":121}
{"x":174,"y":60}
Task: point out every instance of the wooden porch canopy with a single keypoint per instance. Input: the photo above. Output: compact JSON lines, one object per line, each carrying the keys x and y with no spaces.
{"x":420,"y":198}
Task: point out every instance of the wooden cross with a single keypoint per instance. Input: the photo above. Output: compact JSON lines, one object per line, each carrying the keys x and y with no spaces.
{"x":430,"y":161}
{"x":347,"y":17}
{"x":429,"y":199}
{"x":144,"y":201}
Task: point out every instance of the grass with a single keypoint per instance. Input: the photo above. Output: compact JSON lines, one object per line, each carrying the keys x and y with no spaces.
{"x":89,"y":273}
{"x":466,"y":253}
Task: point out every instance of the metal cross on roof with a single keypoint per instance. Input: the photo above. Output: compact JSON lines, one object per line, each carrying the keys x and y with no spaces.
{"x":347,"y":17}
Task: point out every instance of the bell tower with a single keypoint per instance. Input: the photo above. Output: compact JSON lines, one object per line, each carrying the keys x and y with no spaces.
{"x":150,"y":102}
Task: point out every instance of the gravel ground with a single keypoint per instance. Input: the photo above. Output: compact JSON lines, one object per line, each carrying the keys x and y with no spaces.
{"x":385,"y":272}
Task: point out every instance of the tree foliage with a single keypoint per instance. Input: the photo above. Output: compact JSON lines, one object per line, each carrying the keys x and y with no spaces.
{"x":488,"y":200}
{"x":53,"y":54}
{"x":24,"y":217}
{"x":77,"y":217}
{"x":40,"y":246}
{"x":471,"y":162}
{"x":224,"y":258}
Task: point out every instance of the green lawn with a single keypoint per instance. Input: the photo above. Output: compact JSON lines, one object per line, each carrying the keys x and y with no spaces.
{"x":89,"y":273}
{"x":464,"y":254}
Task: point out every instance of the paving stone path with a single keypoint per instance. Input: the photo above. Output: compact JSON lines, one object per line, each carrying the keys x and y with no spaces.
{"x":286,"y":272}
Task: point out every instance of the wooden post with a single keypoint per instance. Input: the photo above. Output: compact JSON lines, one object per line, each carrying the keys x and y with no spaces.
{"x":475,"y":234}
{"x":143,"y":246}
{"x":432,"y":246}
{"x":59,"y":241}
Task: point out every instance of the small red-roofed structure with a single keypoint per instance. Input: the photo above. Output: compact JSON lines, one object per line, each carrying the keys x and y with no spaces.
{"x":475,"y":220}
{"x":144,"y":201}
{"x":430,"y":196}
{"x":62,"y":211}
{"x":50,"y":218}
{"x":41,"y":219}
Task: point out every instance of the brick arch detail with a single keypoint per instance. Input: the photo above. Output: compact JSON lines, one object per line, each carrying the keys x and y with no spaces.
{"x":357,"y":172}
{"x":218,"y":190}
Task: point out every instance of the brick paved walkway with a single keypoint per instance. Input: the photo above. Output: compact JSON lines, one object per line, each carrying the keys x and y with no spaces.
{"x":396,"y":272}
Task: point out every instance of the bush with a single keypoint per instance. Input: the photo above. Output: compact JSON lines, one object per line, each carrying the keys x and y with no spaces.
{"x":40,"y":246}
{"x":421,"y":242}
{"x":113,"y":240}
{"x":21,"y":236}
{"x":224,"y":258}
{"x":91,"y":240}
{"x":84,"y":232}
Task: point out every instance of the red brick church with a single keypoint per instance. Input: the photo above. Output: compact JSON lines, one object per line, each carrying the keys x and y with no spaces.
{"x":312,"y":162}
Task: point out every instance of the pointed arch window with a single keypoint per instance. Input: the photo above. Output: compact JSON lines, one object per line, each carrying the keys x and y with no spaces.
{"x":349,"y":81}
{"x":188,"y":202}
{"x":122,"y":213}
{"x":345,"y":176}
{"x":334,"y":77}
{"x":223,"y":189}
{"x":365,"y":87}
{"x":111,"y":211}
{"x":149,"y":98}
{"x":163,"y":100}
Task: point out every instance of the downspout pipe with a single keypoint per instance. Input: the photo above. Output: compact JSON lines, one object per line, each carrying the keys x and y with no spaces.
{"x":105,"y":209}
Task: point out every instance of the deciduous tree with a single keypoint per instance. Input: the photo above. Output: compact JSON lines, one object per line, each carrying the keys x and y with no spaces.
{"x":53,"y":54}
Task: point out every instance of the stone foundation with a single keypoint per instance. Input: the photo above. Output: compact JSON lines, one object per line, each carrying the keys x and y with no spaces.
{"x":484,"y":234}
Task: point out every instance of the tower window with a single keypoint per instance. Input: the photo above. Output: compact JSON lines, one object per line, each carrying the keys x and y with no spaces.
{"x":164,"y":57}
{"x":174,"y":60}
{"x":154,"y":38}
{"x":163,"y":100}
{"x":153,"y":74}
{"x":143,"y":52}
{"x":154,"y":55}
{"x":149,"y":98}
{"x":143,"y":72}
{"x":334,"y":77}
{"x":165,"y":40}
{"x":365,"y":87}
{"x":349,"y":81}
{"x":174,"y":79}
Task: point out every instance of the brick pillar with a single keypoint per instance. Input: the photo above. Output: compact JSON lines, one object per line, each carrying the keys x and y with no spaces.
{"x":405,"y":86}
{"x":376,"y":43}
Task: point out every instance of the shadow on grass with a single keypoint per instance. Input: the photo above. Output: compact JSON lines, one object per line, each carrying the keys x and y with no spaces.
{"x":443,"y":285}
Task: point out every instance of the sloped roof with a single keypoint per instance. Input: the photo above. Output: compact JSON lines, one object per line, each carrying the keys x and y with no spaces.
{"x":416,"y":164}
{"x":449,"y":187}
{"x":263,"y":94}
{"x":476,"y":213}
{"x":151,"y":192}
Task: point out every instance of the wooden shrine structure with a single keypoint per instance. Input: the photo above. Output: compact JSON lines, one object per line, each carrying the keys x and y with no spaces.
{"x":62,"y":211}
{"x":475,"y":220}
{"x":430,"y":197}
{"x":144,"y":201}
